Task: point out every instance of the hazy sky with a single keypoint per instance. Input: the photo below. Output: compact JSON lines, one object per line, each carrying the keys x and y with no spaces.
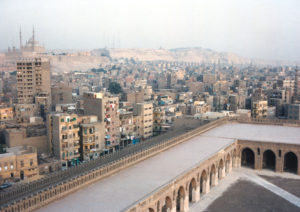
{"x":267,"y":29}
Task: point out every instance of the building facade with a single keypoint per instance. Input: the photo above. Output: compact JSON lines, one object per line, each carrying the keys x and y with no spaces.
{"x":18,"y":163}
{"x":145,"y":111}
{"x":63,"y":135}
{"x":33,"y":78}
{"x":106,"y":108}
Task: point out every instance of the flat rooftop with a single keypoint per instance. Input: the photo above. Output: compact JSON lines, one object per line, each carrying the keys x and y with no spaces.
{"x":119,"y":191}
{"x":130,"y":185}
{"x":257,"y":132}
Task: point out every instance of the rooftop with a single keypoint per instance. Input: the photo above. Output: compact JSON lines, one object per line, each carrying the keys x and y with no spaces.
{"x":128,"y":186}
{"x":254,"y":132}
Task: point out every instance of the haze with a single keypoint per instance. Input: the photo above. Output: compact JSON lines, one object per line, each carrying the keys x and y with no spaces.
{"x":266,"y":29}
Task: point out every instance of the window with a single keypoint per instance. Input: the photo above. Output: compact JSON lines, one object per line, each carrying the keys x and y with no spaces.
{"x":22,"y":163}
{"x":62,"y":120}
{"x":31,"y":162}
{"x":11,"y":166}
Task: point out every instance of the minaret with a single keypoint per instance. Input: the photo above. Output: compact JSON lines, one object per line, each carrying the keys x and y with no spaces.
{"x":33,"y":33}
{"x":33,"y":42}
{"x":20,"y":39}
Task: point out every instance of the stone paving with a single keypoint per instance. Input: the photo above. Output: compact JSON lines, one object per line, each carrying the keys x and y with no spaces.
{"x":240,"y":175}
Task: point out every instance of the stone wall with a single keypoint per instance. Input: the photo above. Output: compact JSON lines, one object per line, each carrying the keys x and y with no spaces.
{"x":191,"y":185}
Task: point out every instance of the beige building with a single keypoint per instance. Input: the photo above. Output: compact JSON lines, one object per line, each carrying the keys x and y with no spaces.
{"x":33,"y":78}
{"x":91,"y":135}
{"x":61,"y":94}
{"x":126,"y":127}
{"x":63,"y":135}
{"x":34,"y":136}
{"x":18,"y":163}
{"x":25,"y":111}
{"x":158,"y":120}
{"x":105,"y":107}
{"x":259,"y":109}
{"x":134,"y":96}
{"x":145,"y":111}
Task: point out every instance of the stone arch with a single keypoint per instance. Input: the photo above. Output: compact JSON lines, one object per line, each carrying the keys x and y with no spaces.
{"x":180,"y":199}
{"x":150,"y":210}
{"x":192,"y":190}
{"x":221,"y":169}
{"x":248,"y":157}
{"x":213,"y":176}
{"x":168,"y":205}
{"x":203,"y":183}
{"x":290,"y":162}
{"x":269,"y":160}
{"x":228,"y":164}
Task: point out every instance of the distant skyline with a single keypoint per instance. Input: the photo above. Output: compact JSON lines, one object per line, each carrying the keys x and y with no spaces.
{"x":266,"y":29}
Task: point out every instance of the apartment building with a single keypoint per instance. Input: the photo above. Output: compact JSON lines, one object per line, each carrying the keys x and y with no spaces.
{"x":259,"y":109}
{"x":33,"y":77}
{"x":18,"y":163}
{"x":106,"y":108}
{"x":294,"y":111}
{"x":145,"y":111}
{"x":126,"y":128}
{"x":61,"y":94}
{"x":63,"y":134}
{"x":91,"y":135}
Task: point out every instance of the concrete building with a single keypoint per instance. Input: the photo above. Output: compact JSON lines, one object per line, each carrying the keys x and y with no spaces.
{"x":33,"y":78}
{"x":236,"y":102}
{"x":296,"y":97}
{"x":105,"y":107}
{"x":134,"y":96}
{"x":18,"y":163}
{"x":259,"y":109}
{"x":91,"y":135}
{"x":145,"y":111}
{"x":63,"y":135}
{"x":23,"y":112}
{"x":61,"y":94}
{"x":35,"y":136}
{"x":294,"y":111}
{"x":126,"y":128}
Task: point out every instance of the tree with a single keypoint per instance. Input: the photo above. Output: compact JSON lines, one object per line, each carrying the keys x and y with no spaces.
{"x":115,"y":88}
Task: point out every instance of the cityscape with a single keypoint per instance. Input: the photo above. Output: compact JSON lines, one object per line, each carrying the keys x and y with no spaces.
{"x":126,"y":125}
